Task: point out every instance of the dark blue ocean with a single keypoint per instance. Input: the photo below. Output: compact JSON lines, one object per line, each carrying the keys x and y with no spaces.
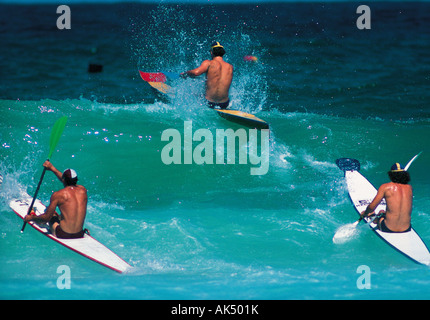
{"x":212,"y":231}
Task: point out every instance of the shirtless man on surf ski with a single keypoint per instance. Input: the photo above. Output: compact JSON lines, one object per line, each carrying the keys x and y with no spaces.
{"x":219,"y":75}
{"x":72,"y":202}
{"x":398,"y":195}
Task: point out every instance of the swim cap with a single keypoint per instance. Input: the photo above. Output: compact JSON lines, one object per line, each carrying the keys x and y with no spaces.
{"x":216,"y":44}
{"x":70,"y":174}
{"x":397,"y":167}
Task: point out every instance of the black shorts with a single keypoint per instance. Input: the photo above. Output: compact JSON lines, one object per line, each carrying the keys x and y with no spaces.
{"x":59,"y":233}
{"x":54,"y":219}
{"x":384,"y":228}
{"x":216,"y":105}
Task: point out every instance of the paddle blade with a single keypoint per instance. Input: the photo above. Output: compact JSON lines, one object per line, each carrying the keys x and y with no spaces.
{"x":153,"y":76}
{"x":56,"y":133}
{"x":346,"y":233}
{"x":347,"y":164}
{"x":410,"y":162}
{"x":161,"y":87}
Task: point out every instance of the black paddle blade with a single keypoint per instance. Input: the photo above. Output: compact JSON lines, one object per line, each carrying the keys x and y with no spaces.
{"x":347,"y":164}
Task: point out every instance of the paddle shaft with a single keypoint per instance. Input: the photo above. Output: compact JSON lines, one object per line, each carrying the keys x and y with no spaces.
{"x":56,"y":132}
{"x":34,"y":198}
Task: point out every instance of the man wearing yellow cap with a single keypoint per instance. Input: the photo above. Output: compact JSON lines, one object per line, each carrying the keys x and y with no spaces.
{"x":398,"y":195}
{"x":219,"y":75}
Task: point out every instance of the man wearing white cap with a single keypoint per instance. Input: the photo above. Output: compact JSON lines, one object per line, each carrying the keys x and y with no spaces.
{"x":72,"y":202}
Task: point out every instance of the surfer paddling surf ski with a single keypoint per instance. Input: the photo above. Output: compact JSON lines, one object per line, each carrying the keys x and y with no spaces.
{"x":394,"y":199}
{"x":72,"y":202}
{"x":398,"y":197}
{"x":219,"y":75}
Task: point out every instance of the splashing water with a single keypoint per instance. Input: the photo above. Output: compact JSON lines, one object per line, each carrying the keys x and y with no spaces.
{"x":346,"y":233}
{"x":193,"y":230}
{"x":171,"y":40}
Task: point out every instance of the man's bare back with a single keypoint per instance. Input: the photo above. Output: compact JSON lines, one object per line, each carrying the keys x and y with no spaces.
{"x":72,"y":202}
{"x":219,"y":75}
{"x":399,"y":206}
{"x":398,"y":197}
{"x":218,"y":80}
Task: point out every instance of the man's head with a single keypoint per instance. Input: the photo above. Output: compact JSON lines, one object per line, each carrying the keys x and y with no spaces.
{"x":398,"y":175}
{"x":70,"y":178}
{"x":217,"y":50}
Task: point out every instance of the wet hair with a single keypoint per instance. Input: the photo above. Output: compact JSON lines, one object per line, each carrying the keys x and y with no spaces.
{"x":217,"y":49}
{"x":402,"y":177}
{"x":218,"y":52}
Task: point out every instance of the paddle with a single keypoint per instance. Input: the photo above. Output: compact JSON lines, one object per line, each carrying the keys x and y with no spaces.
{"x":158,"y":76}
{"x":410,"y":161}
{"x":152,"y":76}
{"x":346,"y":231}
{"x":56,"y":132}
{"x":171,"y":75}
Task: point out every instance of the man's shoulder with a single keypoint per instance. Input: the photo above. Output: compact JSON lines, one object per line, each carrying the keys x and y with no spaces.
{"x":59,"y":192}
{"x":80,"y":188}
{"x":229,"y":65}
{"x":389,"y":186}
{"x":386,"y":185}
{"x":221,"y":64}
{"x":59,"y":195}
{"x":67,"y":189}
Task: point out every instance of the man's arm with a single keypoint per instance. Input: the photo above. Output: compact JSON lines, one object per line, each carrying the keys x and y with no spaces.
{"x":49,"y":166}
{"x":49,"y":212}
{"x":197,"y":71}
{"x":372,"y":206}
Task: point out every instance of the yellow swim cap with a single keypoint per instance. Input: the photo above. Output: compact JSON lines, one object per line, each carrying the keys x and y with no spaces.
{"x":216,"y":44}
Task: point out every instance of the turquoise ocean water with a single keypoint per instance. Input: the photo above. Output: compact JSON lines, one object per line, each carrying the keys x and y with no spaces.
{"x":215,"y":231}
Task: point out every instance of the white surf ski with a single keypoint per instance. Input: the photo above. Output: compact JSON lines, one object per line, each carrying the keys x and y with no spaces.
{"x":86,"y":246}
{"x":362,"y":192}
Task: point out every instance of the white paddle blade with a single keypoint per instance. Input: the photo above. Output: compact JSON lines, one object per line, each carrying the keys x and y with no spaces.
{"x":410,"y":161}
{"x":345,"y":233}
